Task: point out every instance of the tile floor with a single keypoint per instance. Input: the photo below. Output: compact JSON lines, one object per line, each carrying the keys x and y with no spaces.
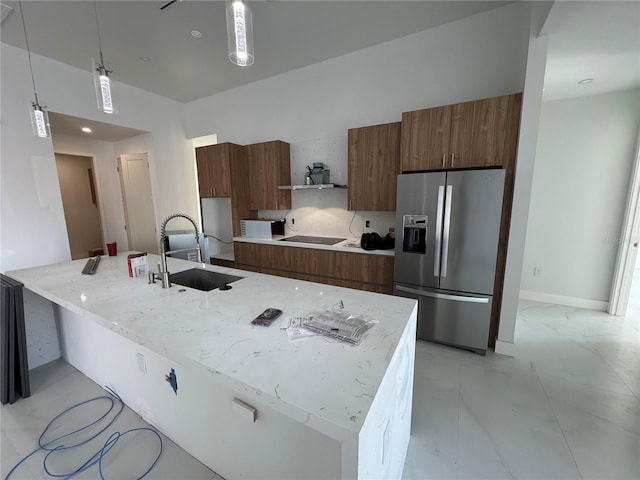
{"x":568,"y":406}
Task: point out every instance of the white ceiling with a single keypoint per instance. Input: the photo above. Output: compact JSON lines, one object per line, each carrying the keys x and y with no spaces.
{"x":287,"y":35}
{"x":599,"y":40}
{"x":590,"y":39}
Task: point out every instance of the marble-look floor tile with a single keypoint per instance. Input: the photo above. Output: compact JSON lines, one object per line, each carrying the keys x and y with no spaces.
{"x":602,"y":428}
{"x":507,"y":426}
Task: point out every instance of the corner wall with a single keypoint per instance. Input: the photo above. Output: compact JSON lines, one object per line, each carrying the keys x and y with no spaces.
{"x":584,"y":158}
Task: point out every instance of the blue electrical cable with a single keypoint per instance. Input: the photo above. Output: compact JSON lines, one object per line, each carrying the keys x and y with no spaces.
{"x":97,"y":457}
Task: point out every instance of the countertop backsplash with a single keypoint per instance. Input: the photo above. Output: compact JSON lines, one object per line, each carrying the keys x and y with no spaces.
{"x":331,"y":221}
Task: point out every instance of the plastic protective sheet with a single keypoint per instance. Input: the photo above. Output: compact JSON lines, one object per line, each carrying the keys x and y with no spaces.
{"x":338,"y":324}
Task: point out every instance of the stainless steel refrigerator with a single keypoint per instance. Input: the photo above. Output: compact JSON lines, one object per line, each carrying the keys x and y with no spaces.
{"x":448,"y":224}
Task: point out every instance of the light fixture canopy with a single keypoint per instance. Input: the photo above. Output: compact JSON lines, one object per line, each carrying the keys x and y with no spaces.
{"x":101,"y":80}
{"x":37,"y":112}
{"x":239,"y":33}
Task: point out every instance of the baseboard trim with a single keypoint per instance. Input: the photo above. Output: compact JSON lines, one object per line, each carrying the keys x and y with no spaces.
{"x":505,"y":348}
{"x":562,"y":300}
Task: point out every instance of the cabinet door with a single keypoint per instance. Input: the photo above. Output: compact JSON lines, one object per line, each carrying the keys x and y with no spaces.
{"x":240,"y":188}
{"x":485,"y":132}
{"x":425,"y":139}
{"x":374,"y":164}
{"x":219,"y":171}
{"x":205,"y":188}
{"x":269,"y":167}
{"x":212,"y":162}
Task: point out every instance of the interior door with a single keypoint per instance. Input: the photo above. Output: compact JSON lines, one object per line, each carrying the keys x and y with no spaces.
{"x":471,"y":226}
{"x":137,"y":199}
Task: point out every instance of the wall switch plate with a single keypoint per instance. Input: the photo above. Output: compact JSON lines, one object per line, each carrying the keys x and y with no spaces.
{"x":244,"y":410}
{"x":367,"y":223}
{"x":538,"y":271}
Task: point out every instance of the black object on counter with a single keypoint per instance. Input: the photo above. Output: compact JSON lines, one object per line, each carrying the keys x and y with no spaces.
{"x":388,"y":242}
{"x":14,"y":374}
{"x":370,"y":241}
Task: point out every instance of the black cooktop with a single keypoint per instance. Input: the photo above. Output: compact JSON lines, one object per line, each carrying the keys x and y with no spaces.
{"x":311,"y":239}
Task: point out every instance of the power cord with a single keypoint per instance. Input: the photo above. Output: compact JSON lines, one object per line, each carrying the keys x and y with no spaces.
{"x":54,"y":445}
{"x":351,"y":222}
{"x":218,"y":239}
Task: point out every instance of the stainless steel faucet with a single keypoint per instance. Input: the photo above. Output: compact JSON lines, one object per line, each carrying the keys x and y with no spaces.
{"x":163,"y":274}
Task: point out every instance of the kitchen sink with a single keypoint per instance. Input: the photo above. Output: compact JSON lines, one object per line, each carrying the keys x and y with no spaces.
{"x":204,"y":280}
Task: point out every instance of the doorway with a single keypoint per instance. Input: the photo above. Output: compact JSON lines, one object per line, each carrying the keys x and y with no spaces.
{"x":80,"y":204}
{"x":137,"y":199}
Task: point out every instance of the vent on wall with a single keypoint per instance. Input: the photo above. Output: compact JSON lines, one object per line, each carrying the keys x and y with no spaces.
{"x":5,"y":10}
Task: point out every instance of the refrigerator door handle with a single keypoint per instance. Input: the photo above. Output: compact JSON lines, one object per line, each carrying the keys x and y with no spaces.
{"x":443,"y":296}
{"x":436,"y":257}
{"x":447,"y":225}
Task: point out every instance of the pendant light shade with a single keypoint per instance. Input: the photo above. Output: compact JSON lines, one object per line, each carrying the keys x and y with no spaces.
{"x":39,"y":120}
{"x":37,"y":112}
{"x":239,"y":33}
{"x":101,"y":80}
{"x":103,"y":87}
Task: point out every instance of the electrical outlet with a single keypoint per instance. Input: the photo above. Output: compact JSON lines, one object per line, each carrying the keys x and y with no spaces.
{"x":142,"y":365}
{"x":538,"y":271}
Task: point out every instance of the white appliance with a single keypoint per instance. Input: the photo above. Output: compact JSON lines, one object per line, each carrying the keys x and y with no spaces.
{"x":261,"y":228}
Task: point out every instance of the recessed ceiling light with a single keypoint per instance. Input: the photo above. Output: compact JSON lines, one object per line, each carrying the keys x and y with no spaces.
{"x":196,"y":33}
{"x":585,"y":81}
{"x":145,"y":59}
{"x":86,"y":130}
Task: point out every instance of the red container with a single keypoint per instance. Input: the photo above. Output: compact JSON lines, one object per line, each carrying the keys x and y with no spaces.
{"x":112,"y":248}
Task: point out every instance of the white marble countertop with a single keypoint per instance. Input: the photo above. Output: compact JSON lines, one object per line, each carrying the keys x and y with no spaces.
{"x":350,"y":245}
{"x":328,"y":385}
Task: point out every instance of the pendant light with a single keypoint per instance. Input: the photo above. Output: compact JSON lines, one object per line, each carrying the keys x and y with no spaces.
{"x":101,"y":78}
{"x":239,"y":33}
{"x":37,"y":112}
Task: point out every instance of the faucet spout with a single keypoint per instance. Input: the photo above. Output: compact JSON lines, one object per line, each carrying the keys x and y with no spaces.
{"x":164,"y":271}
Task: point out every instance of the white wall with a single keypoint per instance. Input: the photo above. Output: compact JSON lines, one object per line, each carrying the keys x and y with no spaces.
{"x":584,"y":158}
{"x":32,"y":228}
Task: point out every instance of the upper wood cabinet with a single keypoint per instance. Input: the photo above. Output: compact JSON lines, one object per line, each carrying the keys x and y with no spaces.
{"x":374,"y":163}
{"x":481,"y":133}
{"x":269,"y":167}
{"x":214,"y":172}
{"x":240,"y":188}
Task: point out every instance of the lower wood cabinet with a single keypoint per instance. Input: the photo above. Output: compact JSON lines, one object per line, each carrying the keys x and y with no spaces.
{"x":373,"y":273}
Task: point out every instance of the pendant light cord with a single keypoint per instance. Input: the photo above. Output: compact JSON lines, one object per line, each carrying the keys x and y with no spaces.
{"x":26,"y":39}
{"x":95,"y":10}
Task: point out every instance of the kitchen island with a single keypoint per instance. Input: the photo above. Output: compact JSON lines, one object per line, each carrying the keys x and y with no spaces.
{"x":249,"y":402}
